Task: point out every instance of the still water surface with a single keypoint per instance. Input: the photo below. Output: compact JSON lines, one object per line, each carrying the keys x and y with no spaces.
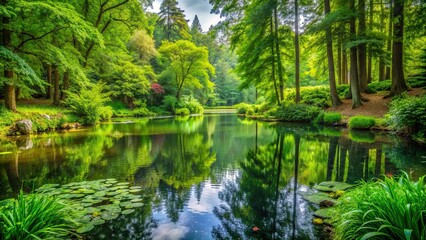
{"x":211,"y":177}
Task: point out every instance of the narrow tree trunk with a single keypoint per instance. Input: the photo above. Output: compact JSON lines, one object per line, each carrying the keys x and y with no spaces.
{"x":345,"y":66}
{"x":56,"y":95}
{"x":370,"y":54}
{"x":355,"y":91}
{"x":273,"y":64}
{"x":297,"y":50}
{"x":279,"y":62}
{"x":49,"y":81}
{"x":362,"y":52}
{"x":398,"y":81}
{"x":65,"y":85}
{"x":331,"y":75}
{"x":390,"y":35}
{"x":383,"y":30}
{"x":339,"y":60}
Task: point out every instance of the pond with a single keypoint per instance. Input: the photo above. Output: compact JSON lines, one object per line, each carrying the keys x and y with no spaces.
{"x":208,"y":177}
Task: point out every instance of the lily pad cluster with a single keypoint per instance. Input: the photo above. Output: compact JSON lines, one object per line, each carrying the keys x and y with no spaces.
{"x":97,"y":201}
{"x":325,"y":196}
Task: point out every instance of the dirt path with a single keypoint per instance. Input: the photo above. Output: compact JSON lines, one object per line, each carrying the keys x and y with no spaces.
{"x":377,"y":106}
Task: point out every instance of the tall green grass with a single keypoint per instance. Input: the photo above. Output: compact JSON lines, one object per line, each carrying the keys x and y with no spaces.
{"x":36,"y":217}
{"x":393,"y":208}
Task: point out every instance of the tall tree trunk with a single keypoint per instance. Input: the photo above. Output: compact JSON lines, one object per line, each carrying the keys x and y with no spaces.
{"x":331,"y":156}
{"x":65,"y":85}
{"x":355,"y":91}
{"x":339,"y":60}
{"x":370,"y":54}
{"x":345,"y":66}
{"x":273,"y":64}
{"x":49,"y":81}
{"x":279,"y":62}
{"x":331,"y":75}
{"x":390,"y":35}
{"x":383,"y":30}
{"x":9,"y":90}
{"x":398,"y":81}
{"x":297,"y":50}
{"x":362,"y":52}
{"x":56,"y":95}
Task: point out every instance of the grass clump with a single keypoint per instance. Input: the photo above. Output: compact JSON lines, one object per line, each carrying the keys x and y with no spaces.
{"x":408,"y":116}
{"x":329,"y":118}
{"x":380,"y":86}
{"x":393,"y":208}
{"x":296,"y":112}
{"x":362,"y":122}
{"x":36,"y":217}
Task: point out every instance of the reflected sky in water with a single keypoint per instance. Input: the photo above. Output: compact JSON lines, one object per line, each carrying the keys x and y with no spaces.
{"x":211,"y":177}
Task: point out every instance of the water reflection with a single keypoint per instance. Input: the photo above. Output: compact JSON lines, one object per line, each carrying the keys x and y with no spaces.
{"x":212,"y":177}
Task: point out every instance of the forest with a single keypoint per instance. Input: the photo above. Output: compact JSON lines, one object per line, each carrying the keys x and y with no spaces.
{"x":126,"y":57}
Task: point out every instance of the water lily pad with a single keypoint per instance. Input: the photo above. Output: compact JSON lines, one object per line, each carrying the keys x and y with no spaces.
{"x":137,"y":204}
{"x":124,"y":204}
{"x":334,"y":186}
{"x":136,"y":200}
{"x":50,"y":186}
{"x":122,"y":191}
{"x":110,"y":179}
{"x":85,"y":219}
{"x":100,"y":194}
{"x":109,"y":215}
{"x":122,"y":183}
{"x":325,"y":213}
{"x":85,"y":228}
{"x":91,"y":210}
{"x":87,"y":204}
{"x":127,"y":211}
{"x":45,"y":190}
{"x":112,"y":193}
{"x":317,"y":198}
{"x":97,"y":221}
{"x":88,"y":191}
{"x":135,"y":190}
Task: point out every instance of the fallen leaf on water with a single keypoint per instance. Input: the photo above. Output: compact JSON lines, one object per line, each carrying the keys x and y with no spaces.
{"x":256,"y":229}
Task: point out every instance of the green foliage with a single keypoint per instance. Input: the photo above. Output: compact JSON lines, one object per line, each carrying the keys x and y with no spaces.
{"x":316,"y":96}
{"x":182,"y":111}
{"x":417,"y":82}
{"x":329,"y":118}
{"x":89,"y":104}
{"x":362,"y":122}
{"x":362,"y":136}
{"x":242,"y":108}
{"x":380,"y":86}
{"x":296,"y":113}
{"x":119,"y":109}
{"x":393,"y":208}
{"x":37,"y":217}
{"x":191,"y":104}
{"x":170,"y":103}
{"x":408,"y":115}
{"x":342,"y":90}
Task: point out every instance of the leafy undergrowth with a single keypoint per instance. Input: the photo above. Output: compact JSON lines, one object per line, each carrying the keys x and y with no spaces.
{"x":74,"y":208}
{"x":393,"y":208}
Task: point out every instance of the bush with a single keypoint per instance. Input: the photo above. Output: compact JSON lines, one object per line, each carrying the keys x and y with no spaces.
{"x":170,"y":103}
{"x":380,"y":86}
{"x":417,"y":83}
{"x":393,"y":208}
{"x":89,"y":104}
{"x":362,"y":122}
{"x":296,"y":112}
{"x":408,"y":115}
{"x":316,"y":96}
{"x":242,"y":108}
{"x":36,"y":217}
{"x":182,"y":111}
{"x":191,"y":104}
{"x":330,"y":118}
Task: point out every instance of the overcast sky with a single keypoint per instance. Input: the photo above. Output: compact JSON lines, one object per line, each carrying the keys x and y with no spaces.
{"x":194,"y":7}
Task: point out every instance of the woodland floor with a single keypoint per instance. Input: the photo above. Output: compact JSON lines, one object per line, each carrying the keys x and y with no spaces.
{"x":377,"y":106}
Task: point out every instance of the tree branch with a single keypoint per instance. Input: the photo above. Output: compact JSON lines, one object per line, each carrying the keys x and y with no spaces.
{"x":32,"y":38}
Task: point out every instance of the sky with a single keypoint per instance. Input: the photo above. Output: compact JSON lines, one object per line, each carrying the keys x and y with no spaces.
{"x":194,"y":7}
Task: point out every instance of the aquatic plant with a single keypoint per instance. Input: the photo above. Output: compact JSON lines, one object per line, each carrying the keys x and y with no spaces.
{"x":393,"y":208}
{"x":362,"y":122}
{"x":36,"y":216}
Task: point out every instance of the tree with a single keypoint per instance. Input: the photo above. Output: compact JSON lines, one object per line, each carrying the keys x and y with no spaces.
{"x":196,"y":26}
{"x":398,"y":81}
{"x":355,"y":91}
{"x":188,"y":64}
{"x":297,"y":49}
{"x":362,"y":49}
{"x":173,"y":22}
{"x":331,"y":75}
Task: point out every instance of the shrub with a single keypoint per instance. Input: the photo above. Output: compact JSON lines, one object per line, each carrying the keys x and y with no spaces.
{"x":89,"y":104}
{"x":408,"y":115}
{"x":182,"y":111}
{"x":380,"y":86}
{"x":191,"y":104}
{"x":342,"y":89}
{"x":296,"y":112}
{"x":170,"y":103}
{"x":331,"y":117}
{"x":316,"y":96}
{"x":393,"y":208}
{"x":417,"y":83}
{"x":361,"y":122}
{"x":242,"y":108}
{"x":36,"y":217}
